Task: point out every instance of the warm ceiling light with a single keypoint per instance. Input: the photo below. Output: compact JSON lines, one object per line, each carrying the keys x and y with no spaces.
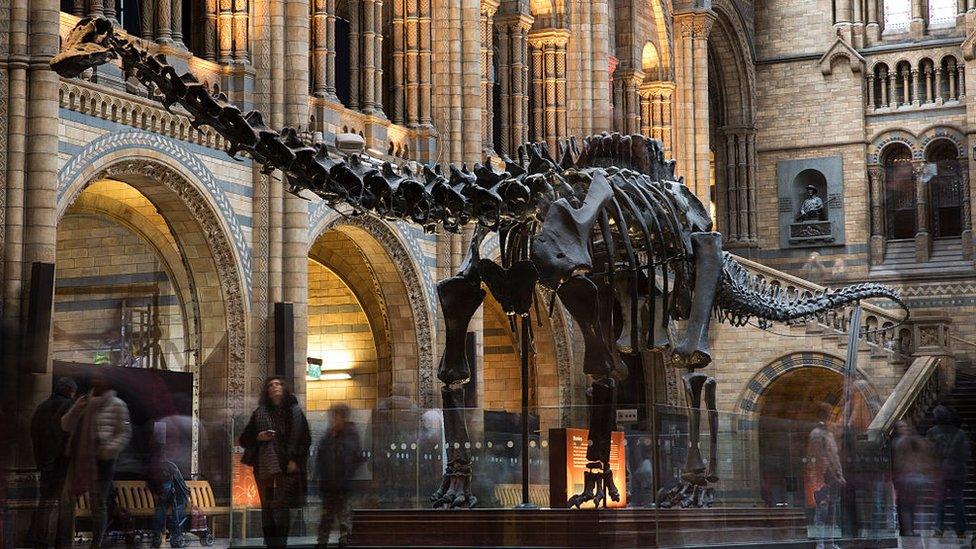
{"x":339,"y":376}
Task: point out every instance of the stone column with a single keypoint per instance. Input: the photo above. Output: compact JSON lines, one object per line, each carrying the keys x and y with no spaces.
{"x":488,"y":9}
{"x":368,"y":57}
{"x":147,"y":16}
{"x":870,"y":92}
{"x":424,"y":68}
{"x":914,"y":77}
{"x":378,"y":59}
{"x":906,"y":88}
{"x":210,"y":31}
{"x":320,"y":47}
{"x":961,"y":72}
{"x":225,"y":31}
{"x":513,"y":74}
{"x":886,"y":89}
{"x":164,"y":33}
{"x":656,"y":119}
{"x":241,"y":34}
{"x":967,"y":211}
{"x":691,"y":88}
{"x":929,"y":97}
{"x":78,"y":7}
{"x":354,"y":62}
{"x":873,"y":28}
{"x":630,"y":109}
{"x":398,"y":47}
{"x":294,"y":266}
{"x":176,"y":21}
{"x":95,"y":8}
{"x":876,"y":186}
{"x":938,"y":86}
{"x":600,"y":66}
{"x":917,"y":25}
{"x":951,"y":75}
{"x":108,"y":10}
{"x":549,"y":58}
{"x":923,"y":240}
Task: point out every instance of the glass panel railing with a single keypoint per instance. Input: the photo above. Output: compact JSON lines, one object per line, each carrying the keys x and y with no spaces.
{"x":760,"y":478}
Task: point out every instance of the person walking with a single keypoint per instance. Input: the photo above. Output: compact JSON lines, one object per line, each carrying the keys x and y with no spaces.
{"x":48,"y":525}
{"x":169,"y":491}
{"x":951,"y":450}
{"x":911,"y":473}
{"x":338,"y":455}
{"x":825,"y":479}
{"x":100,"y":429}
{"x":276,"y":441}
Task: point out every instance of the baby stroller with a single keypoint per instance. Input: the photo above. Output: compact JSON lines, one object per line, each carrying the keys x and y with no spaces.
{"x":196,"y":522}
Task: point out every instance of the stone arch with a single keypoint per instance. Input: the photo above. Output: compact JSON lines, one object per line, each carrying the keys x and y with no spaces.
{"x":124,"y":215}
{"x":748,"y":402}
{"x":932,"y":134}
{"x":205,"y":247}
{"x":662,"y":31}
{"x":888,"y":137}
{"x":398,"y":282}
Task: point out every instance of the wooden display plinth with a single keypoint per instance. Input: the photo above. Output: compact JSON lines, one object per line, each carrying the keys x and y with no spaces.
{"x":576,"y":528}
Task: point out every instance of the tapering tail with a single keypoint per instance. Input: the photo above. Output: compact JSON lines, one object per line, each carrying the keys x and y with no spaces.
{"x":742,"y":296}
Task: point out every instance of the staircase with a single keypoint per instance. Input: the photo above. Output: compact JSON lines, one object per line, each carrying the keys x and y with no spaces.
{"x":962,"y":399}
{"x":899,"y":259}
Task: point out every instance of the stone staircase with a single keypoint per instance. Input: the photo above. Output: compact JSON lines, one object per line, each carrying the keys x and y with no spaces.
{"x":899,"y":260}
{"x":962,"y":399}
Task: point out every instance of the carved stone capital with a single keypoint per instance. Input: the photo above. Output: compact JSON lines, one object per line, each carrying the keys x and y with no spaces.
{"x":489,"y":7}
{"x":549,"y":37}
{"x":694,"y":25}
{"x":514,"y":21}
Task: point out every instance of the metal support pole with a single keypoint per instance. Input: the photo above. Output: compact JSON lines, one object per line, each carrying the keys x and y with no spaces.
{"x":524,"y":344}
{"x":848,"y":505}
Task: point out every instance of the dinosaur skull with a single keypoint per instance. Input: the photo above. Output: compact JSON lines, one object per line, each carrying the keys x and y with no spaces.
{"x":84,"y":48}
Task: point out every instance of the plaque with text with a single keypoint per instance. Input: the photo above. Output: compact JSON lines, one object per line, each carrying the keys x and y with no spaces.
{"x":567,"y":463}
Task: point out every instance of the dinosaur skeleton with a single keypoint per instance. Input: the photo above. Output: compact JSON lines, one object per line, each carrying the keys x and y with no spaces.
{"x":625,"y":246}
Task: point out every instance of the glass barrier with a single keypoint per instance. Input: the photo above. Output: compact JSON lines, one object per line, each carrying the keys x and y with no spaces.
{"x":765,"y":479}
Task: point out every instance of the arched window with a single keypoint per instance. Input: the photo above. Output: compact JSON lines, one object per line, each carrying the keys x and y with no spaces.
{"x":882,"y":86}
{"x":897,"y":16}
{"x":899,"y":193}
{"x":902,"y":87}
{"x":945,"y":189}
{"x":942,"y":14}
{"x":950,"y":78}
{"x":926,"y":77}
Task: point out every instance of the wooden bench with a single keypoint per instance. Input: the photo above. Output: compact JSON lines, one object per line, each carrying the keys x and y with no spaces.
{"x":510,"y":495}
{"x":135,"y":497}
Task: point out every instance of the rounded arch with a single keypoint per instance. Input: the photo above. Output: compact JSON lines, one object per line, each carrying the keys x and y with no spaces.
{"x":651,"y":62}
{"x":935,"y":133}
{"x":760,"y":383}
{"x":399,"y":283}
{"x":117,"y":148}
{"x":880,"y":142}
{"x":204,"y":245}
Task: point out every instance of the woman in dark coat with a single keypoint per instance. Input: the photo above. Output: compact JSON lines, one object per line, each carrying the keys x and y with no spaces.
{"x":276,"y":443}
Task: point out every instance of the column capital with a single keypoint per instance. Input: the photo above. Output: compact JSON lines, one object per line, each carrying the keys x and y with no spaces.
{"x":630,"y":76}
{"x":549,"y":37}
{"x":663,"y":88}
{"x":489,"y":7}
{"x":521,"y":21}
{"x":694,"y":24}
{"x":875,"y":172}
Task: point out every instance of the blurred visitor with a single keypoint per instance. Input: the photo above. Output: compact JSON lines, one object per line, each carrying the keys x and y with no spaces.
{"x":276,"y":441}
{"x":825,"y":478}
{"x":48,"y":526}
{"x":169,"y":491}
{"x":911,"y":472}
{"x":337,"y":457}
{"x":951,"y":450}
{"x":100,"y":429}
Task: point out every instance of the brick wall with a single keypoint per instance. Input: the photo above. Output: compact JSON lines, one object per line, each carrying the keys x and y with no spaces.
{"x":339,"y":333}
{"x":101,"y":266}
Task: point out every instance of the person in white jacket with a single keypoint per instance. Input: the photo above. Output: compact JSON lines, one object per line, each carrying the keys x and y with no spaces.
{"x":99,"y":427}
